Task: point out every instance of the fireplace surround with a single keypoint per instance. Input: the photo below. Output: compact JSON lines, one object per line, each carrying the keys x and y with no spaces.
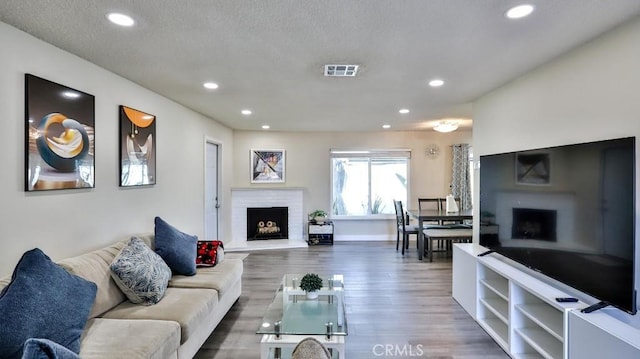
{"x":256,"y":197}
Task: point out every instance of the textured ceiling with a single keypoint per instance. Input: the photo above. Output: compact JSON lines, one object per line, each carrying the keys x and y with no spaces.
{"x":268,"y":56}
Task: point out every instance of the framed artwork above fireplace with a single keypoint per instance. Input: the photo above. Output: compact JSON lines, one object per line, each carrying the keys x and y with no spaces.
{"x":267,"y":166}
{"x":533,"y":168}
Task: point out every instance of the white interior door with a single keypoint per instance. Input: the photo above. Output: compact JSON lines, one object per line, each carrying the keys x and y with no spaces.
{"x":211,"y":196}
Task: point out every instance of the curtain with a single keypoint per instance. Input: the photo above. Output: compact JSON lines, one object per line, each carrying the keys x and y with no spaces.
{"x":461,"y":182}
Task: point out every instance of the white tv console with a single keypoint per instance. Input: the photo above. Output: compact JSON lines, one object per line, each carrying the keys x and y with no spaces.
{"x":521,"y":314}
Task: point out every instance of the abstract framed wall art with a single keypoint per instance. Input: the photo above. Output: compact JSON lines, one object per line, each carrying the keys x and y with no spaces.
{"x":267,"y":166}
{"x":59,"y":130}
{"x":137,"y":148}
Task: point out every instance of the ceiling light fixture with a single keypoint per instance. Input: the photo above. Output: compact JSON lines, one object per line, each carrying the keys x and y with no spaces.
{"x":436,"y":83}
{"x":446,"y":126}
{"x":121,"y":19}
{"x":404,"y":110}
{"x":266,"y":127}
{"x":520,"y":11}
{"x":210,"y":85}
{"x":246,"y":112}
{"x":386,"y":126}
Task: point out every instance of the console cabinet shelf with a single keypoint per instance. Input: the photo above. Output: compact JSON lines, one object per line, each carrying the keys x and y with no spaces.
{"x":517,"y":310}
{"x":520,"y":313}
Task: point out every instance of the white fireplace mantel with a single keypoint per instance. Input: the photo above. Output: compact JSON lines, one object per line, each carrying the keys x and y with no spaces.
{"x":243,"y":198}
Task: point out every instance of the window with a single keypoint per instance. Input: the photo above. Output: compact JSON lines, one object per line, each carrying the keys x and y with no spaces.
{"x":365,"y":183}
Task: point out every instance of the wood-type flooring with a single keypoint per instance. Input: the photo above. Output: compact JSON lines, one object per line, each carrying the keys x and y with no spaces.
{"x":397,"y":306}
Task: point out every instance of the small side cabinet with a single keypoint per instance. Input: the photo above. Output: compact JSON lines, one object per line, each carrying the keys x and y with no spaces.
{"x":320,"y":233}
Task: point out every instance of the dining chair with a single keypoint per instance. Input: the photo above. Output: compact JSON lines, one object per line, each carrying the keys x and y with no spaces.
{"x":429,"y":203}
{"x":404,"y":229}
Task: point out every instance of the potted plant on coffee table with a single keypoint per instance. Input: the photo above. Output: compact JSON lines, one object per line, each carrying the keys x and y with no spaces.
{"x":311,"y":283}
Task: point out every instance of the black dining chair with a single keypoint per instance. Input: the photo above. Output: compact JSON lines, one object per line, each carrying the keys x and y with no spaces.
{"x":404,"y":229}
{"x":429,"y":203}
{"x":434,"y":204}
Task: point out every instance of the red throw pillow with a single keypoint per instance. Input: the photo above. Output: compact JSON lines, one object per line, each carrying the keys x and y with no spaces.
{"x":209,"y":253}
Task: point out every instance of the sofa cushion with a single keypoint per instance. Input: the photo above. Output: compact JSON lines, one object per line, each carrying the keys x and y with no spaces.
{"x":131,"y":339}
{"x":45,"y":301}
{"x":178,"y":249}
{"x":221,"y":277}
{"x":210,"y":253}
{"x":36,"y":348}
{"x":182,"y":305}
{"x":140,"y":273}
{"x":94,"y":267}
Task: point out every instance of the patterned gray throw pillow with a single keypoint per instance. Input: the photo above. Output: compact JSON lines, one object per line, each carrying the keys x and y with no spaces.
{"x":140,"y":273}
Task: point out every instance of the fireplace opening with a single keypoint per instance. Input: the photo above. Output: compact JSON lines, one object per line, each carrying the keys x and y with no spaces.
{"x":529,"y":223}
{"x":267,"y":223}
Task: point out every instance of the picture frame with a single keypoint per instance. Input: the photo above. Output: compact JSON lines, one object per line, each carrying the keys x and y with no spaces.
{"x":137,"y":147}
{"x":59,"y":136}
{"x":533,"y":169}
{"x":267,"y":166}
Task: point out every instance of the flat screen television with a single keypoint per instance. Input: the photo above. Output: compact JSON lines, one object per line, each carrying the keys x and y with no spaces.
{"x":567,"y":212}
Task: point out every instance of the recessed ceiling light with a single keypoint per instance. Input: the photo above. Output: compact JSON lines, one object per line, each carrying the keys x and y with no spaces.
{"x":386,"y":126}
{"x":436,"y":83}
{"x":120,"y":19}
{"x":519,"y":11}
{"x":404,"y":110}
{"x":210,"y":85}
{"x":266,"y":127}
{"x":246,"y":112}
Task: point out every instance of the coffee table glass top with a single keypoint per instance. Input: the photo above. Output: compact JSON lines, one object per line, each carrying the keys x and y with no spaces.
{"x":291,"y":313}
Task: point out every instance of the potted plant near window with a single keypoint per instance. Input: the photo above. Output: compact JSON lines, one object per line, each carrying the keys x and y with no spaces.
{"x":319,"y":216}
{"x":311,"y":283}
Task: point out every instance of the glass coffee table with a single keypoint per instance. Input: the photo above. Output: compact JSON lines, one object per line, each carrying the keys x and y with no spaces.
{"x":292,"y":317}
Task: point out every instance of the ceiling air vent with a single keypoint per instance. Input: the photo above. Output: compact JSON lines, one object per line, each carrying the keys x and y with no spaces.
{"x":340,"y":70}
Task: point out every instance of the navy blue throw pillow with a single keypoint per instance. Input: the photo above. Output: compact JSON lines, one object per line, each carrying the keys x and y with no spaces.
{"x":46,"y":349}
{"x":45,"y":301}
{"x":178,"y":249}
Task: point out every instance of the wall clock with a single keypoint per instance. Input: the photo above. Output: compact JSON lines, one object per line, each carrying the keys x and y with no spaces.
{"x":433,"y":151}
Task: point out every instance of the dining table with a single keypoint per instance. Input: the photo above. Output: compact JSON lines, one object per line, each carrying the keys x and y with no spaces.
{"x":440,"y":216}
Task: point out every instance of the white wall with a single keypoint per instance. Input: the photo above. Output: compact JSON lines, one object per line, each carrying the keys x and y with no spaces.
{"x":588,"y":94}
{"x":68,"y":222}
{"x":308,"y":167}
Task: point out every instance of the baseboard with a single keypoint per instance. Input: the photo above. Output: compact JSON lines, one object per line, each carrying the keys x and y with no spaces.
{"x":363,"y":238}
